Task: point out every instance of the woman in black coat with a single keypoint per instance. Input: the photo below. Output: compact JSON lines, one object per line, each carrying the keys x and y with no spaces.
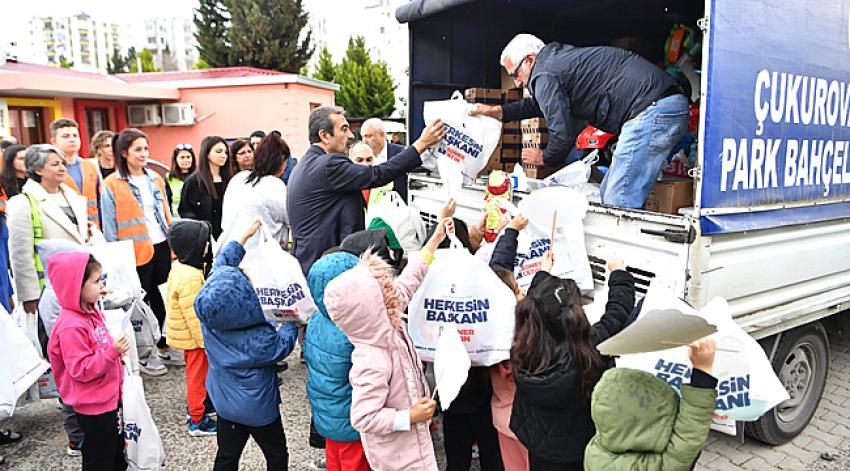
{"x":203,"y":191}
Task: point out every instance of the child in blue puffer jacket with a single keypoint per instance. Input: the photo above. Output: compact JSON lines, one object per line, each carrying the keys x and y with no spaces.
{"x":328,"y":354}
{"x":242,"y":347}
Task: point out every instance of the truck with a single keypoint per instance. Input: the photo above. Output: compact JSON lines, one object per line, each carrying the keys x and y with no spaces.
{"x":769,"y":229}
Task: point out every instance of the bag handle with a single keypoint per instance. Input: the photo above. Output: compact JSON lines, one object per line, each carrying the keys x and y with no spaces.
{"x":264,"y":232}
{"x":591,"y":158}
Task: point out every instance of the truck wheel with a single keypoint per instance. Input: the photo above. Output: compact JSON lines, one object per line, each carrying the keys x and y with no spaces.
{"x":801,"y":363}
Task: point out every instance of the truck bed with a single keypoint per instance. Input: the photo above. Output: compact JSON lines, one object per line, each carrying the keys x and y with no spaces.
{"x":774,"y":279}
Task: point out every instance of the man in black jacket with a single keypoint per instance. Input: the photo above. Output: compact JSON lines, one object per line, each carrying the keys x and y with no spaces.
{"x":323,"y":199}
{"x":613,"y":89}
{"x":374,"y":134}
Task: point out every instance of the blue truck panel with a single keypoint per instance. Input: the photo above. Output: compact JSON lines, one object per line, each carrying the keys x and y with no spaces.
{"x":777,"y":116}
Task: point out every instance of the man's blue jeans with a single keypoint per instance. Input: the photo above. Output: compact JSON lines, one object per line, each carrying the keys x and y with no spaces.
{"x":642,"y":148}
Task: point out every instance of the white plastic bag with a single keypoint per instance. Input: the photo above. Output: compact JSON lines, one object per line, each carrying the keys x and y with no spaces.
{"x":747,"y":386}
{"x":461,"y":291}
{"x":469,"y":141}
{"x":143,"y":444}
{"x":21,"y":375}
{"x":574,"y":174}
{"x":533,"y":242}
{"x":278,"y":281}
{"x":118,"y":260}
{"x":408,"y":228}
{"x":145,"y":327}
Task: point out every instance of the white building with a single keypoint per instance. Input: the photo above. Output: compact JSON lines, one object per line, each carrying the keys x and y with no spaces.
{"x":89,"y":44}
{"x":171,"y":40}
{"x":80,"y":40}
{"x":385,"y":37}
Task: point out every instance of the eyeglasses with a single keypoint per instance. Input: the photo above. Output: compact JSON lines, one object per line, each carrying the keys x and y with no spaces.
{"x":183,"y":147}
{"x":516,"y":70}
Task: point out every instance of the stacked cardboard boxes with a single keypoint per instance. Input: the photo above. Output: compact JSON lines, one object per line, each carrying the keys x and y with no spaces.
{"x":535,"y":135}
{"x":511,"y":133}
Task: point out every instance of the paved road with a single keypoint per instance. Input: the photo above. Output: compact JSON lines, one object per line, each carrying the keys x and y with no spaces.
{"x":43,"y":447}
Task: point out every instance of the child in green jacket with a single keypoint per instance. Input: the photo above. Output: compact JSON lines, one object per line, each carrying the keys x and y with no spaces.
{"x":641,"y":424}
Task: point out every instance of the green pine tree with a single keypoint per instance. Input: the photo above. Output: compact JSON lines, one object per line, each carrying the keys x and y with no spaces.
{"x":256,"y":33}
{"x":366,"y":88}
{"x":212,"y":22}
{"x":325,"y":68}
{"x":130,"y":61}
{"x":117,"y":63}
{"x":265,"y":34}
{"x":147,"y":59}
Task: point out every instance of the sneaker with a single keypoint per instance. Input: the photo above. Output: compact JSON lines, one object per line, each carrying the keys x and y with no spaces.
{"x":282,"y":366}
{"x":203,"y":428}
{"x":152,"y":367}
{"x":475,"y":453}
{"x":170,"y":358}
{"x":75,"y":448}
{"x":7,"y":436}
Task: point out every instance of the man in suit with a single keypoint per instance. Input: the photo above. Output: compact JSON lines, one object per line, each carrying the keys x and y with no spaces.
{"x":373,"y":134}
{"x":323,"y":198}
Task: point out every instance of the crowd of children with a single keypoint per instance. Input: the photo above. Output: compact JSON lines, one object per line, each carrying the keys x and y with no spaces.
{"x":556,"y":403}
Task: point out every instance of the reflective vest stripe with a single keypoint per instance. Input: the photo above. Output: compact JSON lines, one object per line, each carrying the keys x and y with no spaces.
{"x":130,"y":222}
{"x":130,"y":217}
{"x":37,"y":236}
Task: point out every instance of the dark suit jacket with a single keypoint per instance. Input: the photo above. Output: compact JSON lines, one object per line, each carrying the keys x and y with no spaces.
{"x":324,"y":202}
{"x":400,"y":183}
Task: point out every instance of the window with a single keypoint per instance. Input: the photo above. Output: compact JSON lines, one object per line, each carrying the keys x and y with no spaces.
{"x":27,"y":124}
{"x":97,"y":119}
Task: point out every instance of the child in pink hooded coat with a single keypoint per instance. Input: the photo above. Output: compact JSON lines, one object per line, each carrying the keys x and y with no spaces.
{"x":86,"y":361}
{"x":390,"y":406}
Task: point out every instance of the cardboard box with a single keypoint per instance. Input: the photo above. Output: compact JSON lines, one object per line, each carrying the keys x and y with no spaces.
{"x":538,"y":172}
{"x":494,"y":163}
{"x":507,"y":139}
{"x":535,"y":140}
{"x":512,"y":129}
{"x":512,"y":94}
{"x":489,"y":96}
{"x":510,"y":155}
{"x":534,"y":125}
{"x":669,"y":196}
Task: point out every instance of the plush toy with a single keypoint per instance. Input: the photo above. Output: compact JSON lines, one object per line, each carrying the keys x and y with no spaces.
{"x":498,"y":188}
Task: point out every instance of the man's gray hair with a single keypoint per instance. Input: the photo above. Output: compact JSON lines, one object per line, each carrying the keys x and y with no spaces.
{"x":376,"y":123}
{"x":320,"y":120}
{"x":36,"y":157}
{"x":363,"y":143}
{"x":519,"y":47}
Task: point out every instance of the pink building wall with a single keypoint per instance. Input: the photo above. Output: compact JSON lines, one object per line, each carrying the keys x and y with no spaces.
{"x":236,"y":111}
{"x":66,"y":104}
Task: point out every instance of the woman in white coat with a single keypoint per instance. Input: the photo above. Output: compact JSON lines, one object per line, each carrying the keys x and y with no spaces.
{"x":46,"y":209}
{"x":60,"y":210}
{"x":258,"y":193}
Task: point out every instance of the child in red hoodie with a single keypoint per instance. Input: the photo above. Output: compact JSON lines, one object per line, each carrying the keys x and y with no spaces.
{"x":86,"y":361}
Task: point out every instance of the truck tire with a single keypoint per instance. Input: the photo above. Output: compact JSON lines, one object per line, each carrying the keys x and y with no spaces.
{"x":801,"y":363}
